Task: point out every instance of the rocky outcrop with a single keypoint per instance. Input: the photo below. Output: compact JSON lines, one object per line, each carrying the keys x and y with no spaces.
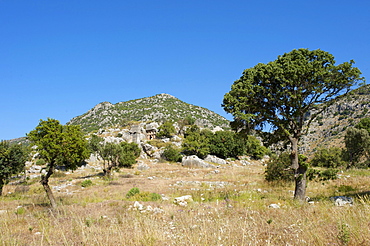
{"x":194,"y":161}
{"x":215,"y":159}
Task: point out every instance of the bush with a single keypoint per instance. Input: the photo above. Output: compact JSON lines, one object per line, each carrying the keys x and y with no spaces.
{"x":278,"y":168}
{"x":135,"y":194}
{"x":172,"y":154}
{"x":322,"y":175}
{"x":329,"y":158}
{"x":40,"y":162}
{"x":166,"y":130}
{"x":86,"y":183}
{"x":254,"y":148}
{"x":132,"y":192}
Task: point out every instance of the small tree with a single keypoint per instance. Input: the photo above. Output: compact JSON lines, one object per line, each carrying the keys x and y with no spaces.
{"x":172,"y":154}
{"x":119,"y":155}
{"x":12,"y":161}
{"x":166,"y":130}
{"x":195,"y":143}
{"x":357,"y":144}
{"x":364,"y":124}
{"x":58,"y":145}
{"x":285,"y":93}
{"x":329,"y":158}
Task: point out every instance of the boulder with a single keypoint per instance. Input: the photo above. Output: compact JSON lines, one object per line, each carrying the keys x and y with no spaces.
{"x":215,"y":159}
{"x":342,"y":200}
{"x":196,"y":162}
{"x":274,"y":205}
{"x":183,"y":200}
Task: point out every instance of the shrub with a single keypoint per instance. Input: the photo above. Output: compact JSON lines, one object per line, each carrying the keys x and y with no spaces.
{"x":40,"y":162}
{"x":254,"y":148}
{"x":322,"y":175}
{"x":132,"y":192}
{"x":329,"y":158}
{"x":172,"y":154}
{"x":166,"y":130}
{"x":86,"y":183}
{"x":278,"y":168}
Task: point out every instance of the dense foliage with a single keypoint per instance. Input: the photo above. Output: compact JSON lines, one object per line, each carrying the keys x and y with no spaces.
{"x":223,"y":144}
{"x":281,"y":93}
{"x":12,"y":161}
{"x":279,"y":169}
{"x":329,"y":158}
{"x":171,"y":153}
{"x":357,"y":143}
{"x":166,"y":130}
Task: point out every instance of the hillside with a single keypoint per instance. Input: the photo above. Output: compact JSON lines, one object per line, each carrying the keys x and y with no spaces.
{"x":160,"y":108}
{"x":329,"y":128}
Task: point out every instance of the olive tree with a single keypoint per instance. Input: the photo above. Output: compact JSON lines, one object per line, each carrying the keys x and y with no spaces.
{"x":12,"y":161}
{"x":58,"y":145}
{"x":283,"y":94}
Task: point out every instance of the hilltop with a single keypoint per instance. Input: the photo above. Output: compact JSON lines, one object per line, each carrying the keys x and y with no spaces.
{"x":159,"y":108}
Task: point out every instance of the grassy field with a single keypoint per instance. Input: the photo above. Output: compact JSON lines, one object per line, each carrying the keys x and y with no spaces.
{"x":230,"y":206}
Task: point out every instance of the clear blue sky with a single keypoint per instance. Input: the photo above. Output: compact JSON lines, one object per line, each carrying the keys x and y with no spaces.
{"x":59,"y":58}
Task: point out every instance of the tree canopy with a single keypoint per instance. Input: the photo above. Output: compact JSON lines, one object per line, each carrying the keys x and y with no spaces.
{"x":12,"y":161}
{"x":284,"y":94}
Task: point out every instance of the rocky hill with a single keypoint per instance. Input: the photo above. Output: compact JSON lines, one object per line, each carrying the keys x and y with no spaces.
{"x":329,"y":128}
{"x":159,"y":108}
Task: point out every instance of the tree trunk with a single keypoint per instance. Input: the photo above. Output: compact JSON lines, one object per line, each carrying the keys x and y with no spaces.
{"x":1,"y":187}
{"x":299,"y":172}
{"x":108,"y":171}
{"x":45,"y":183}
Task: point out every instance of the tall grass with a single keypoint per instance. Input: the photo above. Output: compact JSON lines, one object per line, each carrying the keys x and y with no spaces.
{"x":234,"y":214}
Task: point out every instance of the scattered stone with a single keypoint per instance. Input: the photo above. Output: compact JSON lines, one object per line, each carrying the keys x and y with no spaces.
{"x":138,"y":206}
{"x":342,"y":201}
{"x":143,"y":209}
{"x":183,"y":200}
{"x":3,"y":211}
{"x":273,"y":205}
{"x":245,"y":162}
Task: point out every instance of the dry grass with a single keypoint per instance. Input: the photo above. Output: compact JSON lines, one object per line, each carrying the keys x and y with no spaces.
{"x":229,"y":208}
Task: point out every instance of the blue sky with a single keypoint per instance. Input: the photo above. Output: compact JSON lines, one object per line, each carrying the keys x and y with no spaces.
{"x":61,"y":58}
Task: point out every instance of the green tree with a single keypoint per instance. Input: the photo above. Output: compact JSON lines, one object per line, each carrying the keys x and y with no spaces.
{"x":357,"y":143}
{"x":364,"y":124}
{"x":254,"y":148}
{"x":284,"y":95}
{"x":58,"y":145}
{"x":329,"y":158}
{"x":166,"y":130}
{"x":172,"y":154}
{"x":227,"y":144}
{"x":116,"y":155}
{"x":12,"y":161}
{"x":195,"y":143}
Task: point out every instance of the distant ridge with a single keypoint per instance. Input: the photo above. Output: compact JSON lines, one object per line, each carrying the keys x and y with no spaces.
{"x":329,"y":128}
{"x":159,"y":108}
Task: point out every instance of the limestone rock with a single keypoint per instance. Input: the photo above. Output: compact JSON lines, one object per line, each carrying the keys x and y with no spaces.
{"x":183,"y":200}
{"x":195,"y":162}
{"x":215,"y":159}
{"x":342,"y":201}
